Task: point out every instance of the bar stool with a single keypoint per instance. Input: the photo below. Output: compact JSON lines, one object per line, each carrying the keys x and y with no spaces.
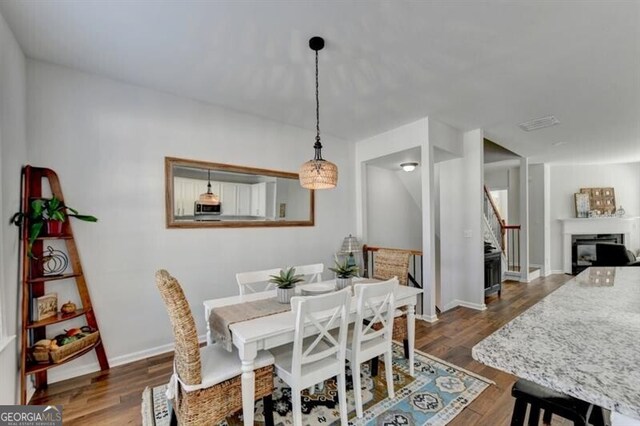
{"x":539,"y":397}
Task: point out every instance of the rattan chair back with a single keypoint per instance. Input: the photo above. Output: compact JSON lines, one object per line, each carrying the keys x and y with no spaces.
{"x":389,"y":263}
{"x":187,"y":348}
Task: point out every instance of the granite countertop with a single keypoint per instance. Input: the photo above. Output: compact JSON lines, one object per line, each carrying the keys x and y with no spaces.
{"x":582,"y":340}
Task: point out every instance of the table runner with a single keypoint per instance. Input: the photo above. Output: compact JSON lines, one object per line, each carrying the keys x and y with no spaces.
{"x":221,"y":318}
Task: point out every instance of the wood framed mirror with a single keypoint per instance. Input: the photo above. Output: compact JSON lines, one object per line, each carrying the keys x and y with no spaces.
{"x":200,"y":194}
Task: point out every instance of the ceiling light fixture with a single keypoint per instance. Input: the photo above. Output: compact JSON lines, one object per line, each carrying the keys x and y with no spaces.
{"x":318,"y":173}
{"x":409,"y":167}
{"x":209,"y":197}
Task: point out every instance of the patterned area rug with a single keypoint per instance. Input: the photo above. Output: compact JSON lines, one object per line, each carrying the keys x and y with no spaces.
{"x":438,"y":393}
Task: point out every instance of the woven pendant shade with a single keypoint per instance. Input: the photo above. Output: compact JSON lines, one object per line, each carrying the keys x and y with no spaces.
{"x":318,"y":174}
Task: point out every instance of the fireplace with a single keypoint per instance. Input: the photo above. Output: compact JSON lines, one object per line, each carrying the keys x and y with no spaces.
{"x":589,"y":229}
{"x":583,"y":249}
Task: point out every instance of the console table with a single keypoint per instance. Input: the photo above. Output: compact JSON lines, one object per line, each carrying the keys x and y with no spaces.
{"x":493,"y":273}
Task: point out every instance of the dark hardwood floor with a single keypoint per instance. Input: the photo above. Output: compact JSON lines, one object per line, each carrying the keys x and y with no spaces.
{"x":113,"y":397}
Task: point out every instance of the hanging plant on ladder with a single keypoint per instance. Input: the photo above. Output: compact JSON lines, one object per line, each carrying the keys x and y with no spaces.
{"x":47,"y":213}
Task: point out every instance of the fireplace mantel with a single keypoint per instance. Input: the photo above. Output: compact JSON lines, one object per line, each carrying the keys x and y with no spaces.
{"x":594,"y":225}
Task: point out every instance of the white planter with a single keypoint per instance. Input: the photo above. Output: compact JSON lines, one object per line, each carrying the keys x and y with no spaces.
{"x":343,"y":283}
{"x":285,"y":294}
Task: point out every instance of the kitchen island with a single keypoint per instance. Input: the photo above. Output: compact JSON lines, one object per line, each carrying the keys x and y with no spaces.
{"x":582,"y":340}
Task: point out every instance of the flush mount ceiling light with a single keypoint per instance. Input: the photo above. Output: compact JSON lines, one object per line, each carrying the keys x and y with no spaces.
{"x":539,"y":123}
{"x":318,"y":173}
{"x":409,"y":167}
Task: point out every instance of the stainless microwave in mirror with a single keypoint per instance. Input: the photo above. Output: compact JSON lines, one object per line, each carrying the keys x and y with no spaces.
{"x":201,"y":194}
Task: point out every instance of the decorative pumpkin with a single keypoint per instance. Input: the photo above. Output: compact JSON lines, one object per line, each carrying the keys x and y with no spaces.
{"x":68,"y":308}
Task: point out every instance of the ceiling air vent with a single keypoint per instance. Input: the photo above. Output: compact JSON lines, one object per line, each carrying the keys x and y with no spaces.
{"x":539,"y":123}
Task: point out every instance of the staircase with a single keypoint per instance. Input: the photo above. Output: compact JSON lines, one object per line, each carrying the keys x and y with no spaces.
{"x":499,"y":234}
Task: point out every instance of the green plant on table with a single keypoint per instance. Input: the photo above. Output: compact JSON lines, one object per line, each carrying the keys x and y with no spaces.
{"x":43,"y":210}
{"x":286,"y":279}
{"x":345,"y":269}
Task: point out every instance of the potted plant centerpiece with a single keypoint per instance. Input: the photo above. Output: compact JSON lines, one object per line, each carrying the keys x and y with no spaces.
{"x":286,"y":284}
{"x":345,"y":272}
{"x":49,"y":214}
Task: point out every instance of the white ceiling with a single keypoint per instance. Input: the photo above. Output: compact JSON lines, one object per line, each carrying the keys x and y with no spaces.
{"x":488,"y":64}
{"x":393,"y":161}
{"x":494,"y":153}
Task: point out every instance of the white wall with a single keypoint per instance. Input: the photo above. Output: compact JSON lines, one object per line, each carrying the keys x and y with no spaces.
{"x":412,"y":181}
{"x":296,"y":199}
{"x":496,"y":178}
{"x":409,"y":136}
{"x":567,"y":180}
{"x":107,"y":141}
{"x":515,"y":218}
{"x":394,"y":220}
{"x":460,"y":188}
{"x":12,"y":157}
{"x":506,"y":178}
{"x":461,"y":236}
{"x":536,"y":214}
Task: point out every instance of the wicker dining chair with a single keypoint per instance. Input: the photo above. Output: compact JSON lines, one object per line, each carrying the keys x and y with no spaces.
{"x":387,"y":264}
{"x":207,"y":380}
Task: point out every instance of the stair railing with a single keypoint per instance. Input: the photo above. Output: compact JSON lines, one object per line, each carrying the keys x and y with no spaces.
{"x":507,"y":235}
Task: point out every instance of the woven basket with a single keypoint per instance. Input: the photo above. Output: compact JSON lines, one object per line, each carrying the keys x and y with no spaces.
{"x":40,"y":357}
{"x":70,"y":349}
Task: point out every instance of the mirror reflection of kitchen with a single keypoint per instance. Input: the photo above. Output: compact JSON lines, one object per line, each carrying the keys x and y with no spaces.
{"x":215,"y":195}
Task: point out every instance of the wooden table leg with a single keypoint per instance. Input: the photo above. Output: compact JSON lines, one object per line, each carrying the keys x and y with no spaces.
{"x":411,"y":335}
{"x":247,"y":356}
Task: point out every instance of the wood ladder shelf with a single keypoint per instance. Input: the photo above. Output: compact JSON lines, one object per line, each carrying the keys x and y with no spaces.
{"x":34,"y":282}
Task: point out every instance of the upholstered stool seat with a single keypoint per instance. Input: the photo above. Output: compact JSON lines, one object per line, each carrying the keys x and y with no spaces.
{"x":553,"y":403}
{"x":219,"y":365}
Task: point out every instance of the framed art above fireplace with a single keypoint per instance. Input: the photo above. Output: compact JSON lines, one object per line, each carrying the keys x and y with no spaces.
{"x":601,"y":200}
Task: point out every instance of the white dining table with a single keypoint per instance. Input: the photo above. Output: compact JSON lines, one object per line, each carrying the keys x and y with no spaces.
{"x":582,"y":340}
{"x":275,"y":330}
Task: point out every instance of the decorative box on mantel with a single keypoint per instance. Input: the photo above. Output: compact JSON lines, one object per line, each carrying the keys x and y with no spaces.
{"x":627,"y":226}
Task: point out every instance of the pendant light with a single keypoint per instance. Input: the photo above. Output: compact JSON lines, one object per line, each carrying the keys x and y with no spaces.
{"x":209,"y":197}
{"x":318,"y":173}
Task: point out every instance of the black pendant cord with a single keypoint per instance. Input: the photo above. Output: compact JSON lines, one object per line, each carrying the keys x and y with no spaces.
{"x":317,"y":146}
{"x":209,"y":182}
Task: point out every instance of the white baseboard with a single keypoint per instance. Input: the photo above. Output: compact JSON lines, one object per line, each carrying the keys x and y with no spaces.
{"x":456,"y":302}
{"x":557,"y":271}
{"x":427,"y":318}
{"x":511,"y":274}
{"x":476,"y":306}
{"x":56,"y":375}
{"x":516,"y":276}
{"x":540,"y":267}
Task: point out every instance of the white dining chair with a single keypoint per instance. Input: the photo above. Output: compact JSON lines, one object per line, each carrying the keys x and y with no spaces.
{"x":255,"y":281}
{"x":316,"y":354}
{"x":375,"y":305}
{"x":312,"y":273}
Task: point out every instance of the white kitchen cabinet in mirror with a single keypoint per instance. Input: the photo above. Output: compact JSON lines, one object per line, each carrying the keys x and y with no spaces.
{"x":206,"y":195}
